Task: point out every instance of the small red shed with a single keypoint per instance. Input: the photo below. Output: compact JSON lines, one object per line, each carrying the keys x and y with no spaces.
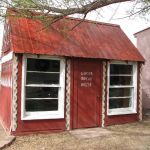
{"x":53,"y":81}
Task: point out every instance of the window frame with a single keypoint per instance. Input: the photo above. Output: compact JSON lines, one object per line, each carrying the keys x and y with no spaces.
{"x":128,"y":110}
{"x":39,"y":115}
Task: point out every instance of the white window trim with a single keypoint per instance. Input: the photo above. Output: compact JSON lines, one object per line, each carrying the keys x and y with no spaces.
{"x":133,"y":108}
{"x":61,"y":96}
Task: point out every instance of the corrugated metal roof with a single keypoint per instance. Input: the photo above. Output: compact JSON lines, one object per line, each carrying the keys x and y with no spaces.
{"x":89,"y":39}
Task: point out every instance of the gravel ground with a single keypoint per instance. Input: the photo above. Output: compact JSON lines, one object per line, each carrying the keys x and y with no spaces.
{"x":134,"y":136}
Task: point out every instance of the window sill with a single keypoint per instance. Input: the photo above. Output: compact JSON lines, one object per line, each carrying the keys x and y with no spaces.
{"x":42,"y":117}
{"x":121,"y":112}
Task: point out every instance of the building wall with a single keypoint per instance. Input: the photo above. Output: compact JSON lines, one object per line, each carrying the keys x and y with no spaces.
{"x":108,"y":120}
{"x":143,"y":44}
{"x":84,"y":101}
{"x":38,"y":126}
{"x":32,"y":126}
{"x":6,"y":95}
{"x":121,"y":119}
{"x":6,"y":80}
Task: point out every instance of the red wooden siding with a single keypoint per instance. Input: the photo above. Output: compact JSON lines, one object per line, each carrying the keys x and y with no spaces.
{"x":121,"y":119}
{"x":6,"y":47}
{"x":88,"y":40}
{"x":6,"y":95}
{"x":86,"y":96}
{"x":31,"y":126}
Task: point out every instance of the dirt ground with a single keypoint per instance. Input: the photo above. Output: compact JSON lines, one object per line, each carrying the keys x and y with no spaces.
{"x":134,"y":136}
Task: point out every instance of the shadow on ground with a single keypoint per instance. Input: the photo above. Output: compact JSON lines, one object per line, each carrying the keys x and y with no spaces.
{"x":134,"y":136}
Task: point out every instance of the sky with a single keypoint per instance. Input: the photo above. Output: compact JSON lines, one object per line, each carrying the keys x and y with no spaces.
{"x":107,"y":14}
{"x":128,"y":25}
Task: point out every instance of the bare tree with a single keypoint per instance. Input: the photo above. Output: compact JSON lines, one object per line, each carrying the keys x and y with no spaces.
{"x":62,"y":8}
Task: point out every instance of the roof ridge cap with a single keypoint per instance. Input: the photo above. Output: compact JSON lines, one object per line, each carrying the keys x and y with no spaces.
{"x":92,"y":21}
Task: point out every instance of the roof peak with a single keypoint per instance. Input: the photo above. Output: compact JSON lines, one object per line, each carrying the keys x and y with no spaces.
{"x":79,"y":19}
{"x":92,"y":21}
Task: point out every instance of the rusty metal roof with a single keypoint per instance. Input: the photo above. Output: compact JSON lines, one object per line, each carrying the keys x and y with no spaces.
{"x":89,"y":39}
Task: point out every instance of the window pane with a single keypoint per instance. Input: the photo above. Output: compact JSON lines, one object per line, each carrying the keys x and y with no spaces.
{"x":41,"y":92}
{"x":42,"y":105}
{"x":42,"y":78}
{"x":43,"y":65}
{"x":119,"y":103}
{"x":120,"y":92}
{"x":121,"y":69}
{"x":120,"y":80}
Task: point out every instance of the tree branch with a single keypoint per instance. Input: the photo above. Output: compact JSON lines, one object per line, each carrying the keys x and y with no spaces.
{"x":79,"y":22}
{"x":69,"y":11}
{"x":27,"y":8}
{"x":137,"y":12}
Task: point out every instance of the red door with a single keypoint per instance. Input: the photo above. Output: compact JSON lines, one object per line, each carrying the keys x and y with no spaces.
{"x":87,"y":93}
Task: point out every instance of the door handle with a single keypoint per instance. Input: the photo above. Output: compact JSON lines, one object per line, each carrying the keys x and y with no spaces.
{"x":98,"y":97}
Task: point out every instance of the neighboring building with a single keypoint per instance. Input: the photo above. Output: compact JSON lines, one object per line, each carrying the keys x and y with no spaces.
{"x":143,"y":44}
{"x":55,"y":81}
{"x":0,"y":70}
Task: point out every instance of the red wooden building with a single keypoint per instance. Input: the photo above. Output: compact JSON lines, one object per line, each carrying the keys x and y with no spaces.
{"x":57,"y":79}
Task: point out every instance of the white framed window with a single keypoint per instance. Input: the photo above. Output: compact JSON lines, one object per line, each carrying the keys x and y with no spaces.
{"x":122,"y":88}
{"x":43,"y":87}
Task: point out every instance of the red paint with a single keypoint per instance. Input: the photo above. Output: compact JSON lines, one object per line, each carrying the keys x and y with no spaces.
{"x":86,"y":109}
{"x":34,"y":126}
{"x":121,"y":119}
{"x":6,"y":39}
{"x":88,"y":40}
{"x":6,"y":95}
{"x":87,"y":93}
